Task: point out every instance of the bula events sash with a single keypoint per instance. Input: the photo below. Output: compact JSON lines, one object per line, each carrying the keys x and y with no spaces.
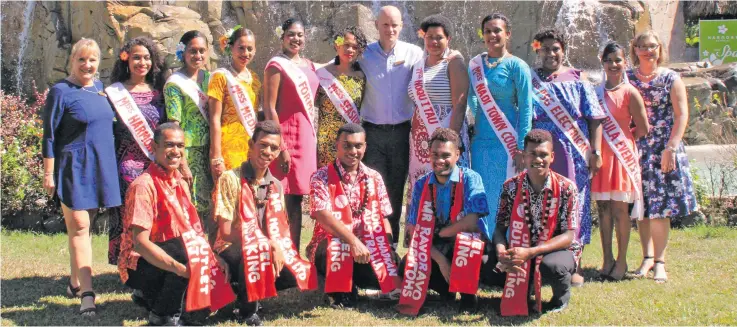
{"x":498,"y":121}
{"x":626,"y":154}
{"x":339,"y":275}
{"x":207,"y":286}
{"x":191,"y":90}
{"x":467,"y":253}
{"x":132,"y":117}
{"x":241,"y":101}
{"x":514,"y":298}
{"x":340,"y":98}
{"x":560,"y":116}
{"x":301,"y":84}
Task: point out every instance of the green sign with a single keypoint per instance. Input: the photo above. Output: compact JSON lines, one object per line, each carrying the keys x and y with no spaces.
{"x":718,"y":41}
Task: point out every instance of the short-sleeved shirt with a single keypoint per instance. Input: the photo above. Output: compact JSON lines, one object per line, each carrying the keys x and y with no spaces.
{"x":474,"y":196}
{"x":387,"y":76}
{"x":144,"y":209}
{"x":228,"y":197}
{"x":320,"y":198}
{"x":567,"y":217}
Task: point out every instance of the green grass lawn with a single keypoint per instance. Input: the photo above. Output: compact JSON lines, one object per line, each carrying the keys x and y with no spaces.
{"x":702,"y":266}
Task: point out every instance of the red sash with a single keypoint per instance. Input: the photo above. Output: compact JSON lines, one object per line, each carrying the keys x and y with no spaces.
{"x":207,"y":286}
{"x":304,"y":271}
{"x":256,"y":250}
{"x":339,"y":275}
{"x":514,"y":298}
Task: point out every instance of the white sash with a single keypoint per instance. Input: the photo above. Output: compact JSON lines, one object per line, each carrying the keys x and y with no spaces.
{"x":340,"y":98}
{"x":422,"y":101}
{"x":241,"y":101}
{"x":192,"y":90}
{"x":626,"y":154}
{"x":132,"y":117}
{"x":499,"y":123}
{"x":560,"y":116}
{"x":302,"y":85}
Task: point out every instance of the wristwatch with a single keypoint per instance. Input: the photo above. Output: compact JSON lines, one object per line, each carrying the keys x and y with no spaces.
{"x":596,"y":152}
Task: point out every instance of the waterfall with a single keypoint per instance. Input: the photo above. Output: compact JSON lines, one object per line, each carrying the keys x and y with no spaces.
{"x":27,"y":20}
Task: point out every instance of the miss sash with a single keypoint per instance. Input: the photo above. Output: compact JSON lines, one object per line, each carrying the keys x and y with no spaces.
{"x":191,"y":90}
{"x":498,"y":121}
{"x":241,"y":101}
{"x":340,"y":98}
{"x":132,"y":117}
{"x":301,"y":84}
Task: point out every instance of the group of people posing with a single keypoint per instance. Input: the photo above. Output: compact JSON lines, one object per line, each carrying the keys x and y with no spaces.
{"x":205,"y":172}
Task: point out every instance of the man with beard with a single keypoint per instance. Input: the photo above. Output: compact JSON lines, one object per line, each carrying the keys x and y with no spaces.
{"x":445,"y":209}
{"x":253,"y":232}
{"x":535,"y":233}
{"x":351,"y":243}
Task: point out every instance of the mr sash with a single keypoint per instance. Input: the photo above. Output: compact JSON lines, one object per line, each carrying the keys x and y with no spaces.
{"x":191,"y":90}
{"x":301,"y":84}
{"x":559,"y":115}
{"x":514,"y":298}
{"x":241,"y":101}
{"x":132,"y":117}
{"x":339,"y":275}
{"x":467,"y":253}
{"x":207,"y":286}
{"x":626,"y":154}
{"x":498,"y":121}
{"x":340,"y":98}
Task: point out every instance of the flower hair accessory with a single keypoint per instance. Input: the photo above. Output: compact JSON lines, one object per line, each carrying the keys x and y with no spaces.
{"x":421,"y":33}
{"x":123,"y":55}
{"x":279,"y":31}
{"x":480,"y":33}
{"x":339,"y":41}
{"x":180,"y":51}
{"x":536,"y":45}
{"x":225,"y":39}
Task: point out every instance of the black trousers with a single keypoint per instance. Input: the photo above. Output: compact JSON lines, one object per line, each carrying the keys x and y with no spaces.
{"x":363,"y":274}
{"x":437,"y":282}
{"x":387,"y":151}
{"x":163,"y":289}
{"x":556,"y":270}
{"x":232,"y":255}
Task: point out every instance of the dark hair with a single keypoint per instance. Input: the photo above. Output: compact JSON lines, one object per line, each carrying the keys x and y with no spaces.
{"x":610,"y":48}
{"x":266,"y":127}
{"x":191,"y":35}
{"x":360,"y":39}
{"x":551,"y":33}
{"x":237,"y":34}
{"x":159,"y":131}
{"x":288,"y":23}
{"x":349,"y":128}
{"x":446,"y":135}
{"x":497,"y":15}
{"x":121,"y":72}
{"x":437,"y":20}
{"x":538,"y":136}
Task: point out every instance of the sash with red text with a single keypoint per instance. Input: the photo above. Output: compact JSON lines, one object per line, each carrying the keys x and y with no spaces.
{"x":132,"y":117}
{"x":207,"y":286}
{"x":514,"y":298}
{"x":559,"y":115}
{"x":425,"y":111}
{"x":626,"y":154}
{"x":340,"y":98}
{"x":302,"y":85}
{"x":502,"y":128}
{"x":256,"y":251}
{"x":241,"y":101}
{"x":191,"y":90}
{"x":467,"y":251}
{"x":276,"y":219}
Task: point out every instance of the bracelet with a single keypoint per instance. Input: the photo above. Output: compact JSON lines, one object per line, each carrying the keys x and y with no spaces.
{"x":671,"y":148}
{"x":217,"y":161}
{"x":49,"y":174}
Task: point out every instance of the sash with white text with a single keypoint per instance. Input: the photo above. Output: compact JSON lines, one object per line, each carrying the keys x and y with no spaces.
{"x":132,"y":117}
{"x":191,"y":90}
{"x":467,"y":251}
{"x":302,"y":85}
{"x":340,"y":98}
{"x":256,"y":251}
{"x":241,"y":101}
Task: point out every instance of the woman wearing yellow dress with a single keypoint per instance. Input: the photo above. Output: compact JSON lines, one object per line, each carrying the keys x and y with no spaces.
{"x":230,"y":117}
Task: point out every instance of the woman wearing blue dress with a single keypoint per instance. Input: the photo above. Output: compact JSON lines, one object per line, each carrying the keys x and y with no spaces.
{"x":79,"y":160}
{"x":508,"y":80}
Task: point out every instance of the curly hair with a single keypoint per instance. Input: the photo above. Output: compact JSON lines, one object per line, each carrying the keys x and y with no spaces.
{"x":437,"y":20}
{"x":551,"y":33}
{"x":498,"y":15}
{"x":360,"y":40}
{"x":266,"y":127}
{"x":349,"y":128}
{"x":446,"y":135}
{"x":121,"y":72}
{"x":538,"y":136}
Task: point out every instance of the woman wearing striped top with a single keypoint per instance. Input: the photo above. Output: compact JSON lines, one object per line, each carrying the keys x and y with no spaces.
{"x":445,"y":83}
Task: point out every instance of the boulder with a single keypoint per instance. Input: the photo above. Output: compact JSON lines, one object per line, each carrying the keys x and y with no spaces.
{"x":699,"y":95}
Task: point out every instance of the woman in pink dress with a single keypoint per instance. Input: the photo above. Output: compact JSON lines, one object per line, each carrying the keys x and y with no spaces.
{"x":290,"y":84}
{"x":612,"y":188}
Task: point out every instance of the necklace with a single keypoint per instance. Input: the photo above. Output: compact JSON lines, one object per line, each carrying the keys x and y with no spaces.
{"x":452,"y":199}
{"x":492,"y":65}
{"x":357,"y":212}
{"x":298,"y":62}
{"x":643,"y":76}
{"x":613,"y":87}
{"x":248,"y":78}
{"x":82,"y":87}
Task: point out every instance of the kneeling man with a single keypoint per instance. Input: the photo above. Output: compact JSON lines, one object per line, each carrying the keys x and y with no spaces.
{"x":535,"y":233}
{"x":446,"y":249}
{"x":253,"y":230}
{"x":163,"y":249}
{"x":351,"y":243}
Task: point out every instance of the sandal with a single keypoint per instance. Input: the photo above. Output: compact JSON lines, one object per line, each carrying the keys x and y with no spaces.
{"x":91,"y":311}
{"x":72,"y":292}
{"x":660,"y":280}
{"x":639,"y":273}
